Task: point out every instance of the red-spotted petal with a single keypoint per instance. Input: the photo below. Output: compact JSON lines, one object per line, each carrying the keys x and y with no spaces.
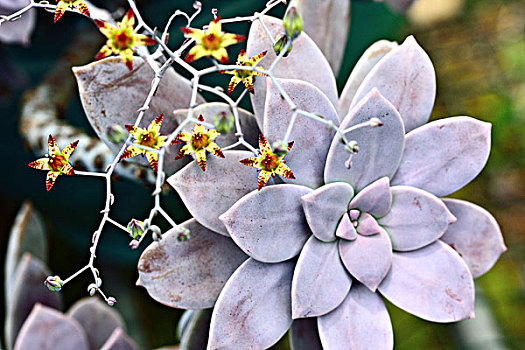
{"x":69,"y":149}
{"x":68,"y":169}
{"x":41,"y":164}
{"x":60,"y":9}
{"x":52,"y":146}
{"x":50,"y":180}
{"x":82,"y":7}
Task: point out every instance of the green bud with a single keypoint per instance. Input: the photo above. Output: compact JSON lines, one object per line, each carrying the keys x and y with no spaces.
{"x":292,"y":23}
{"x":135,"y":229}
{"x":54,"y":283}
{"x":224,"y":122}
{"x":116,"y":133}
{"x":183,"y":234}
{"x":280,"y":44}
{"x":280,"y":148}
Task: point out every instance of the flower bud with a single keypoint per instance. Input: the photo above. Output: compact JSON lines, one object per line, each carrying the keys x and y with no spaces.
{"x":224,"y":122}
{"x":375,"y":122}
{"x":116,"y":133}
{"x":54,"y":283}
{"x":111,"y":301}
{"x":183,"y":234}
{"x":352,"y":147}
{"x":92,"y":289}
{"x":156,"y":233}
{"x":134,"y":244}
{"x":135,"y":229}
{"x":292,"y":23}
{"x":280,"y":148}
{"x":280,"y":44}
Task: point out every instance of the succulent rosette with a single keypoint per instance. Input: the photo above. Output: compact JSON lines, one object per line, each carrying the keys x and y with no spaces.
{"x":318,"y":253}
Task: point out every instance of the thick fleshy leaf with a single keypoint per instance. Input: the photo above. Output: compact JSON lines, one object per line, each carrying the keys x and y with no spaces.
{"x":189,"y":274}
{"x":253,"y":310}
{"x":380,"y":148}
{"x":111,"y":95}
{"x":195,"y":337}
{"x":444,"y":155}
{"x":305,"y":62}
{"x":97,"y":319}
{"x":320,"y":282}
{"x":28,"y":234}
{"x":325,"y":207}
{"x":19,"y":31}
{"x":184,"y":322}
{"x":13,"y":4}
{"x":367,"y":258}
{"x":405,"y":76}
{"x":368,"y":60}
{"x":269,"y":225}
{"x":368,"y":225}
{"x":375,"y":199}
{"x":304,"y":334}
{"x":208,"y":194}
{"x":119,"y":341}
{"x":28,"y":289}
{"x":330,"y":35}
{"x":433,"y":283}
{"x":476,"y":236}
{"x":416,"y":218}
{"x":306,"y":158}
{"x":48,"y":329}
{"x":345,"y":228}
{"x":360,"y":322}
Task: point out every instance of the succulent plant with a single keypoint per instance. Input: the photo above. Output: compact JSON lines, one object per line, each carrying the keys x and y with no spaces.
{"x":317,"y":252}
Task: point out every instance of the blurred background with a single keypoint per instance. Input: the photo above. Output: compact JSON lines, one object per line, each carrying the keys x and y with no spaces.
{"x":478,"y":50}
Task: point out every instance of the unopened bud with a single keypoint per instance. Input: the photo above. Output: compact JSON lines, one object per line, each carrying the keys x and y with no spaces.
{"x":375,"y":122}
{"x":292,"y":23}
{"x":116,"y":133}
{"x":111,"y":301}
{"x":197,"y":5}
{"x":183,"y":234}
{"x":280,"y":148}
{"x":155,"y":233}
{"x":280,"y":44}
{"x":54,"y":283}
{"x":224,"y":122}
{"x":352,"y":147}
{"x":135,"y":229}
{"x":92,"y":289}
{"x":134,"y":244}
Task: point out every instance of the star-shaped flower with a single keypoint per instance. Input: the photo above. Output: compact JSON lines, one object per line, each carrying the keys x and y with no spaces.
{"x":246,"y":76}
{"x":56,"y":161}
{"x":269,"y":163}
{"x":211,"y":42}
{"x":199,"y":142}
{"x":64,"y":4}
{"x":122,"y":39}
{"x":149,"y":137}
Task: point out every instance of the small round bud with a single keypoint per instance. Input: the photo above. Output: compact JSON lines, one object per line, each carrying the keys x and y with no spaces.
{"x":197,"y":5}
{"x":280,"y":148}
{"x":183,"y":234}
{"x":111,"y":301}
{"x":134,"y":244}
{"x":92,"y":289}
{"x":98,"y":282}
{"x":135,"y":228}
{"x":280,"y":44}
{"x":116,"y":133}
{"x":293,"y":23}
{"x":352,"y":147}
{"x":375,"y":122}
{"x":54,"y":283}
{"x":224,"y":122}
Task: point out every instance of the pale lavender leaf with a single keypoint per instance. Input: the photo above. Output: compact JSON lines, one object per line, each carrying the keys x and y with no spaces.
{"x":444,"y":155}
{"x":380,"y":148}
{"x":305,"y":62}
{"x":433,"y":283}
{"x":119,"y":341}
{"x":195,"y":337}
{"x":306,"y":158}
{"x":368,"y":60}
{"x":188,"y":274}
{"x":320,"y":282}
{"x":97,"y":318}
{"x":360,"y":322}
{"x":19,"y":31}
{"x":269,"y":225}
{"x":184,"y":322}
{"x":330,"y":36}
{"x":476,"y":236}
{"x":367,"y":225}
{"x":345,"y":229}
{"x":368,"y":258}
{"x":304,"y":335}
{"x":13,"y":5}
{"x":253,"y":309}
{"x":208,"y":194}
{"x":375,"y":199}
{"x":416,"y":219}
{"x":48,"y":329}
{"x":27,"y":289}
{"x":405,"y":76}
{"x":324,"y":208}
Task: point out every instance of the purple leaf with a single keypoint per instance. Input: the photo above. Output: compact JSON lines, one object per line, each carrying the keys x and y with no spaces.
{"x":433,"y":283}
{"x":119,"y":341}
{"x":405,"y":76}
{"x":208,"y":194}
{"x":368,"y":258}
{"x":19,"y":31}
{"x":380,"y":148}
{"x":476,"y":236}
{"x":444,"y":155}
{"x":195,"y":336}
{"x":97,"y":319}
{"x":269,"y":225}
{"x":13,"y":4}
{"x":306,"y":158}
{"x":305,"y":62}
{"x":375,"y":199}
{"x":304,"y":334}
{"x":368,"y":60}
{"x":416,"y":218}
{"x":253,"y":309}
{"x":320,"y":282}
{"x":192,"y":273}
{"x":48,"y":329}
{"x":345,"y":229}
{"x":324,"y":208}
{"x":360,"y":322}
{"x":368,"y":225}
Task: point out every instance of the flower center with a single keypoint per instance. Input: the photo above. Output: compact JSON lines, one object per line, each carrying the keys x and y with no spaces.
{"x":148,"y":140}
{"x":244,"y":73}
{"x":122,"y":40}
{"x":57,"y":162}
{"x":269,"y":162}
{"x":211,"y":42}
{"x":200,"y":141}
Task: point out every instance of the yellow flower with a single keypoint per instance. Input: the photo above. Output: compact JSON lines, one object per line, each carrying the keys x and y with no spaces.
{"x":64,"y":4}
{"x":122,"y":39}
{"x":246,"y":76}
{"x":211,"y":42}
{"x":199,"y":142}
{"x":268,"y":163}
{"x":149,"y":137}
{"x":56,"y":161}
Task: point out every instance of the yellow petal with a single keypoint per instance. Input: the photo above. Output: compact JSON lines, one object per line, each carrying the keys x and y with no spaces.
{"x":40,"y":164}
{"x":68,"y":169}
{"x":153,"y":160}
{"x":131,"y":151}
{"x":230,"y":39}
{"x":264,"y":146}
{"x":263,"y":179}
{"x":252,"y":161}
{"x":195,"y":53}
{"x":214,"y":149}
{"x":201,"y":159}
{"x":52,"y":147}
{"x":284,"y":171}
{"x":82,"y":7}
{"x":50,"y":180}
{"x":127,"y":58}
{"x":69,"y":149}
{"x":135,"y":131}
{"x":233,"y":83}
{"x":61,"y":8}
{"x":221,"y":55}
{"x":128,"y":21}
{"x":156,"y":124}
